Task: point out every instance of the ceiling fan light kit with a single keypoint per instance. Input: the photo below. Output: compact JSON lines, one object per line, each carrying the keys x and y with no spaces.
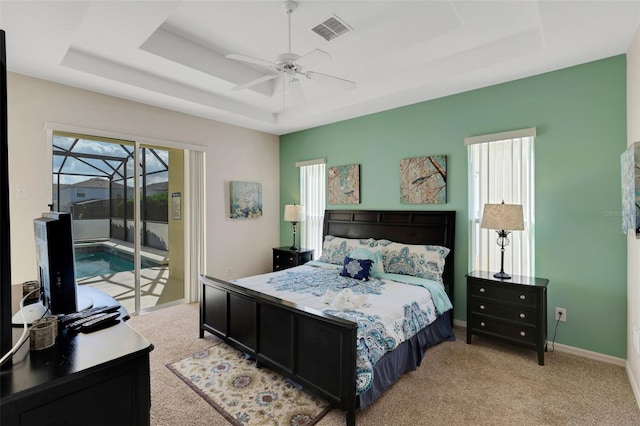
{"x":288,"y":66}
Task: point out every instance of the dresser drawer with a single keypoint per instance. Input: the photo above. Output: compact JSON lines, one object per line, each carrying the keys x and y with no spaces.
{"x":515,"y":294}
{"x":520,"y":314}
{"x":521,"y":333}
{"x":284,"y":260}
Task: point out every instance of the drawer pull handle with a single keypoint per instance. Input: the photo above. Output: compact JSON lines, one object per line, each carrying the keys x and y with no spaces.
{"x":522,"y":333}
{"x":482,"y":290}
{"x":522,"y":297}
{"x":522,"y":315}
{"x":277,"y":256}
{"x":482,"y":307}
{"x":291,"y":258}
{"x":482,"y":324}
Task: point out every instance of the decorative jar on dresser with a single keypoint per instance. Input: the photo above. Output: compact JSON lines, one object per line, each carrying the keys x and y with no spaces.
{"x":284,"y":257}
{"x":511,"y":310}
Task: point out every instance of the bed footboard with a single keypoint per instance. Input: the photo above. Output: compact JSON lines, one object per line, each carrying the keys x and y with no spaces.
{"x":315,"y":350}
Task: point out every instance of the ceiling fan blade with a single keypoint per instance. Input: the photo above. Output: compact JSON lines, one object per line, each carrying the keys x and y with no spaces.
{"x":314,"y":57}
{"x":329,"y":79}
{"x":296,"y":91}
{"x":254,"y":82}
{"x":250,"y":59}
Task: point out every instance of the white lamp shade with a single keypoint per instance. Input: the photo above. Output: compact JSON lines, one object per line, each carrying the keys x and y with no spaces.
{"x":504,"y":217}
{"x":293,"y":213}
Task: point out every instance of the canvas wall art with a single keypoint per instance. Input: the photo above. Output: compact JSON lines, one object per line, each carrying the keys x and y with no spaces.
{"x":343,"y":184}
{"x":630,"y":167}
{"x":423,"y":180}
{"x":245,"y":200}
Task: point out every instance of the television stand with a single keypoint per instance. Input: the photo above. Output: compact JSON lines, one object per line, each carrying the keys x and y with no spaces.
{"x":99,"y":378}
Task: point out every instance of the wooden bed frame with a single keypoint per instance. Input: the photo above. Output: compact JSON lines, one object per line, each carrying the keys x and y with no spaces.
{"x":316,"y":350}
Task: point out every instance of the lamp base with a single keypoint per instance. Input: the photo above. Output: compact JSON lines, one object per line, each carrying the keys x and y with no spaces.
{"x":294,"y":248}
{"x":502,"y":275}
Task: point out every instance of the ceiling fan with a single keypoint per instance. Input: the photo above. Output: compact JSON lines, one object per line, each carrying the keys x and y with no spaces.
{"x":289,"y":66}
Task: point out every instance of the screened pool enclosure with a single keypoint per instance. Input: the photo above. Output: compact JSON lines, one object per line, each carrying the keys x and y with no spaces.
{"x":95,"y":180}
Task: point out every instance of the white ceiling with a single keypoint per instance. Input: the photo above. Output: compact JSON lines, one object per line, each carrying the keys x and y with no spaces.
{"x":172,"y":53}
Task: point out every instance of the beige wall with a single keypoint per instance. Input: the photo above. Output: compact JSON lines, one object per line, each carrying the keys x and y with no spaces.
{"x":234,"y":248}
{"x":633,"y":244}
{"x":176,"y":226}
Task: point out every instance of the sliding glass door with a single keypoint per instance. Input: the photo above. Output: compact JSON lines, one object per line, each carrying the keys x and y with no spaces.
{"x":125,"y":199}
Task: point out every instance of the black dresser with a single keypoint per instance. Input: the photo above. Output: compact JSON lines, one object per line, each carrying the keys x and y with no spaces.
{"x":284,"y":257}
{"x":513,"y":310}
{"x":99,"y":378}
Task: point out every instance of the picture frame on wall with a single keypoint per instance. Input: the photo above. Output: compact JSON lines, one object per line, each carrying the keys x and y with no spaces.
{"x":343,"y":184}
{"x":630,"y":169}
{"x":423,"y":180}
{"x":245,"y":200}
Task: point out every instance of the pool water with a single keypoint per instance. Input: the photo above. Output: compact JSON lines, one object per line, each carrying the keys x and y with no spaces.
{"x":96,"y":263}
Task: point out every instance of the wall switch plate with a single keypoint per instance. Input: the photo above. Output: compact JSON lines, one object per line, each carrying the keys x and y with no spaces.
{"x":562,"y":318}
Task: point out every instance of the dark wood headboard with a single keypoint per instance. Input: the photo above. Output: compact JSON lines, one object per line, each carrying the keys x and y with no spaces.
{"x":408,"y":227}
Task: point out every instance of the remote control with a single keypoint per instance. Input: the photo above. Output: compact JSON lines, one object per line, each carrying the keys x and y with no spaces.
{"x":86,"y":313}
{"x":75,"y":325}
{"x":104,"y":321}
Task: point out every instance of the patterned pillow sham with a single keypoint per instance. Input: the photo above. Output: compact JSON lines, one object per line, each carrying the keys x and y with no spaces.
{"x":358,"y":269}
{"x":335,"y":249}
{"x":424,"y":261}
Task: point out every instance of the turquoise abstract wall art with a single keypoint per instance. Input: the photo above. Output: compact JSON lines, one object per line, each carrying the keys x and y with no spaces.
{"x":245,"y":200}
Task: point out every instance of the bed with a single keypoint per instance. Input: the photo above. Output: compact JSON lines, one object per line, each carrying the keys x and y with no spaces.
{"x":316,"y":344}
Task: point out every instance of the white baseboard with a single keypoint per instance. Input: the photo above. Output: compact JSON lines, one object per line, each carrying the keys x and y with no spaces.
{"x":572,"y":350}
{"x":621,"y":362}
{"x":635,"y":386}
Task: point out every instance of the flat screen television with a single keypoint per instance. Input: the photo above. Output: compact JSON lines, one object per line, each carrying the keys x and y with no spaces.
{"x":56,"y":262}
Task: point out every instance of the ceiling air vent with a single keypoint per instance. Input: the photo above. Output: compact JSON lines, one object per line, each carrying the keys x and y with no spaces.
{"x":331,"y":28}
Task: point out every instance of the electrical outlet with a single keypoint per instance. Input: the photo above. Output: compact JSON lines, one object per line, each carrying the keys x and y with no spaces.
{"x":561,"y":314}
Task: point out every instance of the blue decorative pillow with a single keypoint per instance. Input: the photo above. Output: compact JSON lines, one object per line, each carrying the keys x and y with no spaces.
{"x":373,"y":254}
{"x":358,"y":269}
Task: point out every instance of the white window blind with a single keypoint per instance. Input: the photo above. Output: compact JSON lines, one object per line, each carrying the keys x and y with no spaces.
{"x":312,"y":197}
{"x":501,"y":168}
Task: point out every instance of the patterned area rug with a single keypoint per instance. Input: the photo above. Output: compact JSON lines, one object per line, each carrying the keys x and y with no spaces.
{"x":244,"y":394}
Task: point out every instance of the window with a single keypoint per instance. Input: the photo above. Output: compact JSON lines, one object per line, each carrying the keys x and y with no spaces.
{"x":80,"y":193}
{"x":312,"y":197}
{"x":501,"y":168}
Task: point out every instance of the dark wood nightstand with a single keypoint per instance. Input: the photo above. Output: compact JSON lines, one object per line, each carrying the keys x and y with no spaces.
{"x":514,"y":310}
{"x":284,"y":257}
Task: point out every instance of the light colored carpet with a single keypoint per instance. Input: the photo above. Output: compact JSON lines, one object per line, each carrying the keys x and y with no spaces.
{"x":485,"y":383}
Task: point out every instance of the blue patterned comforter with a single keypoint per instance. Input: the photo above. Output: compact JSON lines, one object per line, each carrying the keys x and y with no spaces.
{"x":388,"y":311}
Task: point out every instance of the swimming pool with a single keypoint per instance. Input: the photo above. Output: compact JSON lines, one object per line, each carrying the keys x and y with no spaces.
{"x":100,"y":260}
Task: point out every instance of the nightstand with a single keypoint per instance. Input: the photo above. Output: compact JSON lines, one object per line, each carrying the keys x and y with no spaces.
{"x":513,"y":311}
{"x":284,"y":257}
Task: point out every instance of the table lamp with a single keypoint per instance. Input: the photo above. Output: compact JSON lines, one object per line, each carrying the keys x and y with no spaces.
{"x":503,"y":218}
{"x":293,"y":213}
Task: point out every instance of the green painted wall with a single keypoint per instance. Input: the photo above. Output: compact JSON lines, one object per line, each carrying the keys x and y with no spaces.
{"x":580,"y":116}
